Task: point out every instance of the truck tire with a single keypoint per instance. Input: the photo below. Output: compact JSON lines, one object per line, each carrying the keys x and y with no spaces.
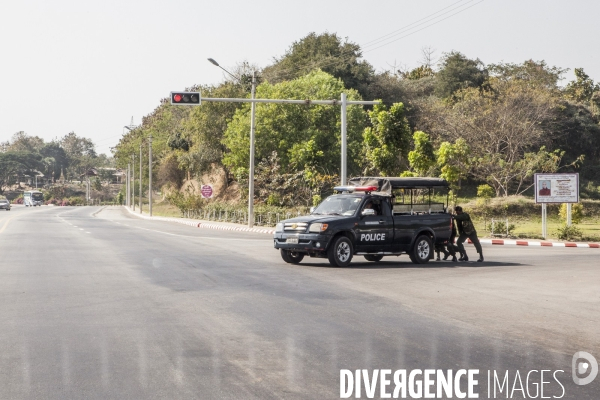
{"x":291,"y":257}
{"x":340,"y":252}
{"x":421,"y":251}
{"x":373,"y":257}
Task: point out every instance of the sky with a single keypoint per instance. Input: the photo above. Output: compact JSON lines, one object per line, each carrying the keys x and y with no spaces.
{"x":90,"y":66}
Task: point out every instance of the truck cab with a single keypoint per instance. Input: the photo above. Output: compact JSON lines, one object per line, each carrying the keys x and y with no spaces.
{"x":372,"y":217}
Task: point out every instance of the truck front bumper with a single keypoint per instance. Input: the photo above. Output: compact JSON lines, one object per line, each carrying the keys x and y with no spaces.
{"x":311,"y":243}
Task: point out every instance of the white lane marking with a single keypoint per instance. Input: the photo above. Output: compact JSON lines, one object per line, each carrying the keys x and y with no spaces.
{"x":192,"y":237}
{"x":87,"y":232}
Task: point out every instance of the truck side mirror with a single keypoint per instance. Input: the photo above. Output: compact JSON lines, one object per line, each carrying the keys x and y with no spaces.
{"x":368,"y":211}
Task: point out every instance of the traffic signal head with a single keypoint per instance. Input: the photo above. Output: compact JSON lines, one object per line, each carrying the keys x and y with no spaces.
{"x":185,"y":98}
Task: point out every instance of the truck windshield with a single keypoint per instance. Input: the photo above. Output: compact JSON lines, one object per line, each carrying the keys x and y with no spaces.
{"x":338,"y":205}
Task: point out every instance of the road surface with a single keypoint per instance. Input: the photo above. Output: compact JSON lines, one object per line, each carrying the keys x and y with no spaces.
{"x":96,"y":303}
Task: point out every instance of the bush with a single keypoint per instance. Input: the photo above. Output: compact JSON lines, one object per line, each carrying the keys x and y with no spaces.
{"x":485,"y":191}
{"x":273,"y":200}
{"x":500,"y":228}
{"x":576,"y":212}
{"x":316,"y":200}
{"x":566,"y":232}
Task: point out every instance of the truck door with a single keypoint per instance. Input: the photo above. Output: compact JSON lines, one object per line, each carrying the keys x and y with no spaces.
{"x":375,"y":232}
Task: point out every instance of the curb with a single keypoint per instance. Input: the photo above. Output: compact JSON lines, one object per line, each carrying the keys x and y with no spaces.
{"x":494,"y":242}
{"x":202,"y":224}
{"x":503,"y":242}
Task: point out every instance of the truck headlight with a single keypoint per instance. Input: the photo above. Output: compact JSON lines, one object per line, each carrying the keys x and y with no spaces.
{"x":279,"y":227}
{"x":316,"y":228}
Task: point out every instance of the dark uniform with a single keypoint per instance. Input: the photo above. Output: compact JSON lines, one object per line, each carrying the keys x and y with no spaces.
{"x":450,"y":249}
{"x":462,"y":218}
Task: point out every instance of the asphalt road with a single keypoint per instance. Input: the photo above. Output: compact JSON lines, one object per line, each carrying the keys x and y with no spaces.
{"x":96,"y":303}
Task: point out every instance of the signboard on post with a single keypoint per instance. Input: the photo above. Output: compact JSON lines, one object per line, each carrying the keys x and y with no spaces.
{"x":557,"y":188}
{"x":206,"y":191}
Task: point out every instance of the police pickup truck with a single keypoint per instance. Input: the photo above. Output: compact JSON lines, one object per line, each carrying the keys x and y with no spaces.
{"x":372,"y":217}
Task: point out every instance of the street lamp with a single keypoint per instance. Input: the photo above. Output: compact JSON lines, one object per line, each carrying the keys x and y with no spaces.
{"x":213,"y":62}
{"x":252,"y":124}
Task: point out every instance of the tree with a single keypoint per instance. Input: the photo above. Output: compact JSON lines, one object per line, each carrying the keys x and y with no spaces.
{"x":421,"y":72}
{"x":422,"y":158}
{"x":303,"y":136}
{"x":21,"y":141}
{"x":582,"y":88}
{"x":14,"y":164}
{"x":55,"y":159}
{"x":80,"y":152}
{"x":453,"y":161}
{"x":534,"y":73}
{"x":500,"y":128}
{"x":387,"y":140}
{"x":205,"y":127}
{"x":327,"y":52}
{"x":459,"y":72}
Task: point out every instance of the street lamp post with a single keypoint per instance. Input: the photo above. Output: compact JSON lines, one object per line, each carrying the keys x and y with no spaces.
{"x":344,"y":104}
{"x":252,"y":131}
{"x":133,"y":181}
{"x":251,"y":172}
{"x":150,"y":175}
{"x":140,"y":178}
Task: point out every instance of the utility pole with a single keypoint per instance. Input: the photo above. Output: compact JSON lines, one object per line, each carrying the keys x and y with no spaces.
{"x":127,"y":183}
{"x":133,"y":181}
{"x":251,"y":172}
{"x":150,"y":175}
{"x":140,"y":178}
{"x":344,"y":139}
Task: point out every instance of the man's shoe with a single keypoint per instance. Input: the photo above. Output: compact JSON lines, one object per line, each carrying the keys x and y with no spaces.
{"x":454,"y":259}
{"x":480,"y":258}
{"x":446,"y":255}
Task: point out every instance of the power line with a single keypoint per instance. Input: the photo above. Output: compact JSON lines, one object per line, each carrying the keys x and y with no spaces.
{"x":381,"y":38}
{"x":385,"y":38}
{"x":425,"y":27}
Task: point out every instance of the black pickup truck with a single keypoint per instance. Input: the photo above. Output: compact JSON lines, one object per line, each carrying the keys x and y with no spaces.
{"x":372,"y":217}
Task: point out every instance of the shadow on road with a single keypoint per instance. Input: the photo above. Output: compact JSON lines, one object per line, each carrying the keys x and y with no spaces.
{"x":409,"y":264}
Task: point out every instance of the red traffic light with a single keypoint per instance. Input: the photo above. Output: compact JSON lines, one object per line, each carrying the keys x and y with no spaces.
{"x":185,"y":98}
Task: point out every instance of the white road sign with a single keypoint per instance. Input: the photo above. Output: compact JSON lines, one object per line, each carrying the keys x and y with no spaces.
{"x":556,"y":188}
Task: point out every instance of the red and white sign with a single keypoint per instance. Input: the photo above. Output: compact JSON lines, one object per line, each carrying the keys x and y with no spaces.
{"x":207,"y":191}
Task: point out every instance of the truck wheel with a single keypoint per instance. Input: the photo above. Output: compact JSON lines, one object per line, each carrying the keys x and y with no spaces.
{"x":291,"y":257}
{"x":340,"y":252}
{"x":421,"y":250}
{"x":373,"y":257}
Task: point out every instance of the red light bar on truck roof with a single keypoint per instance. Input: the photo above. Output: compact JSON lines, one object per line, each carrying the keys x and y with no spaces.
{"x":351,"y":189}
